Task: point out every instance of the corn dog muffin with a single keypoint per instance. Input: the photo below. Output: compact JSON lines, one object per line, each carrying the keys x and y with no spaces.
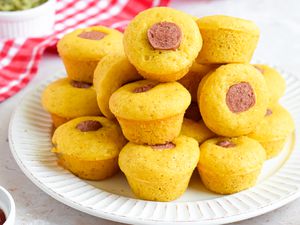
{"x":273,"y":130}
{"x":160,"y":172}
{"x":193,"y":112}
{"x":274,"y":80}
{"x":239,"y":101}
{"x":196,"y":130}
{"x":112,"y":72}
{"x":162,"y":43}
{"x":66,"y":99}
{"x":82,"y":49}
{"x":150,"y":112}
{"x":230,"y":165}
{"x":89,"y":147}
{"x":227,"y":39}
{"x":192,"y":79}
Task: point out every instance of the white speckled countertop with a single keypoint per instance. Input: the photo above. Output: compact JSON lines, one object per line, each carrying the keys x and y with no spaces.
{"x":279,"y":22}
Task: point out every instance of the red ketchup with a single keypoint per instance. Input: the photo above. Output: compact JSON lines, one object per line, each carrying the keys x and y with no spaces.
{"x":2,"y":217}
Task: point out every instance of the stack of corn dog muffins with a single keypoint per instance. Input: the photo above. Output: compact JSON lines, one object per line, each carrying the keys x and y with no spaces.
{"x":171,"y":94}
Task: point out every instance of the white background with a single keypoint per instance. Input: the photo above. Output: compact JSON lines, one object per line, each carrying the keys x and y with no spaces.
{"x":279,"y":21}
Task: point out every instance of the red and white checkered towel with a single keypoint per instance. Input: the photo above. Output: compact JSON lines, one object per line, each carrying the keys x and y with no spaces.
{"x":19,"y":58}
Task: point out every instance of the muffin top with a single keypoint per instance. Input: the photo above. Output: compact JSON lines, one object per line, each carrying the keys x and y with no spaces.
{"x":113,"y":71}
{"x":70,"y":99}
{"x":274,"y":80}
{"x":89,"y":138}
{"x":227,"y":23}
{"x":230,"y":156}
{"x":90,"y":43}
{"x":277,"y":124}
{"x":149,"y":100}
{"x":162,"y":40}
{"x":196,"y":130}
{"x":145,"y":162}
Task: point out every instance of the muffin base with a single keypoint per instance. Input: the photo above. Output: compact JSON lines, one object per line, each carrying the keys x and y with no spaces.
{"x":80,"y":70}
{"x":228,"y":184}
{"x":89,"y":170}
{"x":273,"y":148}
{"x":159,"y":191}
{"x":152,"y":132}
{"x":58,"y":120}
{"x":218,"y":50}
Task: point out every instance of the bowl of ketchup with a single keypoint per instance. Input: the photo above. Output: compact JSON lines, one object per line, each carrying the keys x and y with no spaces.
{"x":7,"y":208}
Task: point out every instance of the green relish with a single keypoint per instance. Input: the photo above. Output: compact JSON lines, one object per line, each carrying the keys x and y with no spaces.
{"x":17,"y":5}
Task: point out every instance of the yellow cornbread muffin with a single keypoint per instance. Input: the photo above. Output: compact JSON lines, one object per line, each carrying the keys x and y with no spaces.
{"x":65,"y":99}
{"x":193,"y":112}
{"x":162,"y":43}
{"x":196,"y":130}
{"x":150,"y":112}
{"x":113,"y":71}
{"x":233,"y":99}
{"x":160,"y":172}
{"x":274,"y":80}
{"x":89,"y":147}
{"x":230,"y":165}
{"x":227,"y":39}
{"x":195,"y":17}
{"x":273,"y":130}
{"x":192,"y":79}
{"x":82,"y":49}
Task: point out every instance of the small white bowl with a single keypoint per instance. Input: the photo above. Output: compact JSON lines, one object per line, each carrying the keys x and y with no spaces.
{"x":35,"y":22}
{"x":7,"y":204}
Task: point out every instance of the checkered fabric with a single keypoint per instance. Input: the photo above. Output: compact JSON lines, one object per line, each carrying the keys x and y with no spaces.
{"x":19,"y":58}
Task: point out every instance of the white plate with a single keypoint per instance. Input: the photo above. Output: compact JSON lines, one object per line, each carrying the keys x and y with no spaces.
{"x":30,"y":142}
